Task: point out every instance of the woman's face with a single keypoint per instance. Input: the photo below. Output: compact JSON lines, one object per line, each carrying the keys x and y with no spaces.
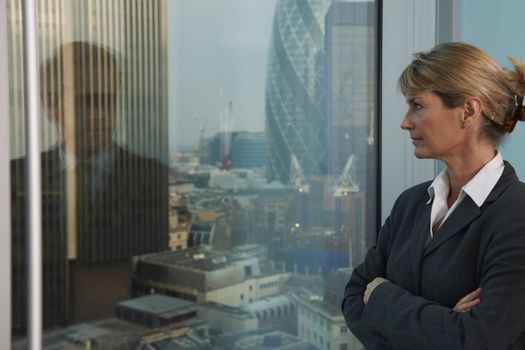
{"x":435,"y":129}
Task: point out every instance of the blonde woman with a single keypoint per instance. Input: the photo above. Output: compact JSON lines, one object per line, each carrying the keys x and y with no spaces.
{"x":448,"y":270}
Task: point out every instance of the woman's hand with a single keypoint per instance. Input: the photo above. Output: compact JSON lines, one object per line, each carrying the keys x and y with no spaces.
{"x":371,"y":286}
{"x":469,"y":301}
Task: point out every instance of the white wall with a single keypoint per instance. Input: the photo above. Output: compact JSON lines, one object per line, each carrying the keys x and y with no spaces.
{"x":502,"y":38}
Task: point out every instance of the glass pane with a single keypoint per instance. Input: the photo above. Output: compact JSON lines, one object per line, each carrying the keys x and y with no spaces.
{"x":209,"y":170}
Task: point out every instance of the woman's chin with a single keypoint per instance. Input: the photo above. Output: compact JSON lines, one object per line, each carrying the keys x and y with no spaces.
{"x":420,"y":154}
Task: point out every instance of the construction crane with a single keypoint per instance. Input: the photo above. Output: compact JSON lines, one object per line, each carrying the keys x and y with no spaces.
{"x":297,"y":178}
{"x":201,"y":140}
{"x":346,"y":183}
{"x":226,"y":128}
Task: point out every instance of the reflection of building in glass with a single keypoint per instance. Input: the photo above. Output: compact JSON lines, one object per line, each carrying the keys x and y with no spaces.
{"x":245,"y":150}
{"x":350,"y":73}
{"x":294,"y":93}
{"x":204,"y":274}
{"x":320,"y":321}
{"x":104,"y":189}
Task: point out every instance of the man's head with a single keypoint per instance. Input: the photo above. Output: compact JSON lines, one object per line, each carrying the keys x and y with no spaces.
{"x":79,"y":87}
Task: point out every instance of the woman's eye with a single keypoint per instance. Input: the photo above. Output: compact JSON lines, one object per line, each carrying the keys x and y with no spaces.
{"x":417,"y":106}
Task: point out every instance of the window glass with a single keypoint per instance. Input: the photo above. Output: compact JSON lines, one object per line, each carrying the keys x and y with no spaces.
{"x":208,"y":167}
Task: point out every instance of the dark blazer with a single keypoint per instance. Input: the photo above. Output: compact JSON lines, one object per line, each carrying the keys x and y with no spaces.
{"x":474,"y":247}
{"x":125,"y":215}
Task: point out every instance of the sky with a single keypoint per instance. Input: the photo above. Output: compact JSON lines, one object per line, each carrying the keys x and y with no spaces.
{"x":217,"y":53}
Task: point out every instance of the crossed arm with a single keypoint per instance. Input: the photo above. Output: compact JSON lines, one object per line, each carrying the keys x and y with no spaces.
{"x":465,"y":304}
{"x":382,"y":314}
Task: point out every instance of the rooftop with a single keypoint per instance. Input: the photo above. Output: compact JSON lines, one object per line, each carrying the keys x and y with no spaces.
{"x":156,"y":304}
{"x":267,"y":303}
{"x":232,"y":311}
{"x":203,"y":258}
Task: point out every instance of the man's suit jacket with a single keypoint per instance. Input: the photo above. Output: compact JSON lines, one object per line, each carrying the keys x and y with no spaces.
{"x":474,"y":247}
{"x":125,"y":215}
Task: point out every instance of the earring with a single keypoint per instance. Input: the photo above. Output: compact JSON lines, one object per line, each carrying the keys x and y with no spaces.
{"x":464,"y":125}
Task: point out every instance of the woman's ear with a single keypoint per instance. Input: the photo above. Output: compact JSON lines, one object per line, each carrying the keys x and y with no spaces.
{"x":471,"y":110}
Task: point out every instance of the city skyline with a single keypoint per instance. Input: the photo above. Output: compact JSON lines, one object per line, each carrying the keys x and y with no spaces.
{"x":244,"y":244}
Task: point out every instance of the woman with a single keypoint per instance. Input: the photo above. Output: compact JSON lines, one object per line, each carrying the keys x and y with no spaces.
{"x":448,"y":270}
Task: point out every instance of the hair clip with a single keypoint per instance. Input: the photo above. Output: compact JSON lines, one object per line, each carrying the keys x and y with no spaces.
{"x":515,"y":114}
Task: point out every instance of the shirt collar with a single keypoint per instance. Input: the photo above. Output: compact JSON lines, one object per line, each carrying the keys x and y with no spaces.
{"x":478,"y":188}
{"x":100,"y":160}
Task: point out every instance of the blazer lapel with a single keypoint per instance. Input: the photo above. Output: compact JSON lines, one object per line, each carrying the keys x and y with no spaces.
{"x":419,"y":235}
{"x":468,"y":210}
{"x":461,"y":217}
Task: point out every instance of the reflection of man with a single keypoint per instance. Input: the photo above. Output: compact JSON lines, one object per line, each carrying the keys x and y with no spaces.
{"x":101,"y":203}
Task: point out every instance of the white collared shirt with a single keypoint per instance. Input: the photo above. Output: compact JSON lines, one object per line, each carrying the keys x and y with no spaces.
{"x":478,"y":189}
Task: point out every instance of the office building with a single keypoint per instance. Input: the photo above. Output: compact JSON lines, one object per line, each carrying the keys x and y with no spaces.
{"x":277,"y":312}
{"x":245,"y":150}
{"x":294,"y":89}
{"x":351,"y":119}
{"x":205,"y":274}
{"x":320,"y":321}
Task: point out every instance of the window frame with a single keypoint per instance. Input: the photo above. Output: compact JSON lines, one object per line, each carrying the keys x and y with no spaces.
{"x":400,"y":41}
{"x":5,"y":205}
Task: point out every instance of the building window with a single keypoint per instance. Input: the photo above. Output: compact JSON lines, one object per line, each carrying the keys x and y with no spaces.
{"x":247,"y":271}
{"x":344,"y":329}
{"x":343,"y":346}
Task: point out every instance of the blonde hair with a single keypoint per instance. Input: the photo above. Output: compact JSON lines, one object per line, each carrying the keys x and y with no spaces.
{"x":457,"y":71}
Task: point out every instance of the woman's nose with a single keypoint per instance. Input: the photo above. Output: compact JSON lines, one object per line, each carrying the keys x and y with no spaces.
{"x":406,"y":124}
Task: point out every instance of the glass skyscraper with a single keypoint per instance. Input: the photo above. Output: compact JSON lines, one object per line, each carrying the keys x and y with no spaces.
{"x":294,"y":89}
{"x":350,"y":112}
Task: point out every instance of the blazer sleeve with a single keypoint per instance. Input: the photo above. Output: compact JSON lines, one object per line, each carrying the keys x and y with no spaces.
{"x":406,"y":321}
{"x":373,"y":266}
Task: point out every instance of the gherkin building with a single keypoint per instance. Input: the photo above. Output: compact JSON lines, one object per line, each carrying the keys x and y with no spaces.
{"x":295,"y":117}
